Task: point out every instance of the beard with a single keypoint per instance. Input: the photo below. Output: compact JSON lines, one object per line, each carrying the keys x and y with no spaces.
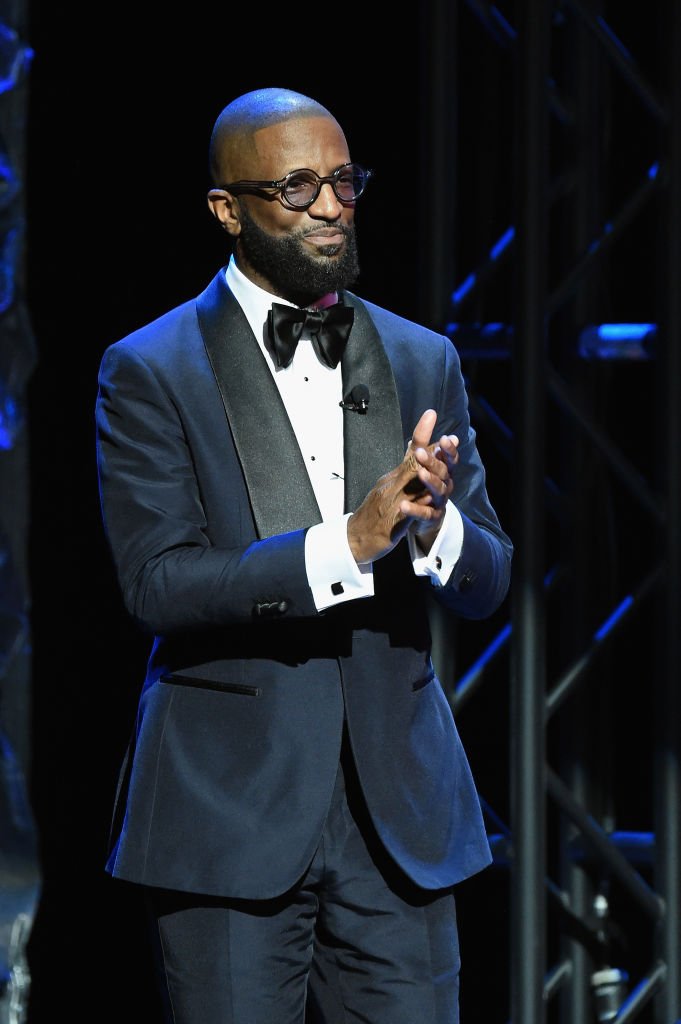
{"x":293,"y":273}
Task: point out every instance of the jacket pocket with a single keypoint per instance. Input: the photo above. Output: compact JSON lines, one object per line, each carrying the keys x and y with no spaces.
{"x":175,"y":679}
{"x":423,"y":681}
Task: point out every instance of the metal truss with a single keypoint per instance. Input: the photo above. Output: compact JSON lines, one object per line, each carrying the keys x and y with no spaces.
{"x":553,"y":230}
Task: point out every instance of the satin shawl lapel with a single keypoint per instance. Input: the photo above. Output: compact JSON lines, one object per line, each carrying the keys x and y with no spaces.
{"x":279,"y":487}
{"x":373,"y":441}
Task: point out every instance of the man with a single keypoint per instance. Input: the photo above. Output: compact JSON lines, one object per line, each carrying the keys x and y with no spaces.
{"x":296,"y":804}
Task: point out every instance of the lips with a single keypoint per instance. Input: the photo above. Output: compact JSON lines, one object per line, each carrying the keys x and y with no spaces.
{"x":325,"y":237}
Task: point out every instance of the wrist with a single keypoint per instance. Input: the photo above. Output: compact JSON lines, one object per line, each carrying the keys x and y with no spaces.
{"x":425,"y":538}
{"x":355,"y":543}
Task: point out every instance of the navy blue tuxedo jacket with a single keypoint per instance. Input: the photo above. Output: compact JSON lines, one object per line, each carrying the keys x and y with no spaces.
{"x":205,"y":502}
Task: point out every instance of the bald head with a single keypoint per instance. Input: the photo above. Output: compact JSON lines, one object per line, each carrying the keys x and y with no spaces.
{"x":232,"y":144}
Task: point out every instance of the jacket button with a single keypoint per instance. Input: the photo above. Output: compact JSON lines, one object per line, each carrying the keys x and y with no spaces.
{"x":466,"y":581}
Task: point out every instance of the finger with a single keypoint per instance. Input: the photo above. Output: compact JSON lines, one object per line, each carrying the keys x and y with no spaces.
{"x":424,"y":472}
{"x":423,"y":431}
{"x":449,"y":443}
{"x":449,"y":461}
{"x":436,"y":488}
{"x":448,"y":446}
{"x":432,"y":463}
{"x":423,"y":513}
{"x":439,"y":491}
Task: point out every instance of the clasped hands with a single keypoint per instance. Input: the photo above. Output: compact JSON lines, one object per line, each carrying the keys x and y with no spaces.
{"x":412,"y":496}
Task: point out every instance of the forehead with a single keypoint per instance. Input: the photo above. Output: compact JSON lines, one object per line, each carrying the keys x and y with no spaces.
{"x":315,"y":142}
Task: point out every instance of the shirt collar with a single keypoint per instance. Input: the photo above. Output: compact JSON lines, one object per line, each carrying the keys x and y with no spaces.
{"x":256,"y":302}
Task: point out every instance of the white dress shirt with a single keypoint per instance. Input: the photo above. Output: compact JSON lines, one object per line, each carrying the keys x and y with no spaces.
{"x":311,"y":393}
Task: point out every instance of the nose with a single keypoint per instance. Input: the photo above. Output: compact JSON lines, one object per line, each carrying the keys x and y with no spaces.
{"x":327,"y":204}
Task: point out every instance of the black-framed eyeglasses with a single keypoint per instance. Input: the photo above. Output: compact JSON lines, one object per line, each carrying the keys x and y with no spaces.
{"x":301,"y":188}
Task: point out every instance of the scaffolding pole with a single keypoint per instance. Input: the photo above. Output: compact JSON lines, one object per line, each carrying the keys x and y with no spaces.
{"x":667,"y":747}
{"x":528,"y":669}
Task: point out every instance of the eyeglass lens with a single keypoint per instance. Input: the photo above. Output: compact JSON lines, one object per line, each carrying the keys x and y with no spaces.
{"x":303,"y":188}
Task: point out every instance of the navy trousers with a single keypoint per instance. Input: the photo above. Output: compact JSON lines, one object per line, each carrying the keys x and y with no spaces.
{"x":355,"y":941}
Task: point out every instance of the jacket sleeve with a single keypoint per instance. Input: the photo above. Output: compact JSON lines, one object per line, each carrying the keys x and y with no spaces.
{"x":480,"y":579}
{"x":172,"y":577}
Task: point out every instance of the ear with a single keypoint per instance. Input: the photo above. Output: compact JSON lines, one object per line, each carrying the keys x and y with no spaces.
{"x":225,"y":207}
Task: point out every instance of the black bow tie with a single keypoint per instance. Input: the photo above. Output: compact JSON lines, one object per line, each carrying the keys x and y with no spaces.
{"x":329,"y":328}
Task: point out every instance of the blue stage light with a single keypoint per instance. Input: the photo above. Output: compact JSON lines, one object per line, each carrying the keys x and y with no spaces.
{"x":617,"y":341}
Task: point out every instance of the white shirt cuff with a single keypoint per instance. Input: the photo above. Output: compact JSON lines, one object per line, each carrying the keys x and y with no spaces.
{"x":332,"y":572}
{"x":445,"y":552}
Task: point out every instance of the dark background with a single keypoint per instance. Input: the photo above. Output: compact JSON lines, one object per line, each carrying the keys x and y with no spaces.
{"x":122,"y":102}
